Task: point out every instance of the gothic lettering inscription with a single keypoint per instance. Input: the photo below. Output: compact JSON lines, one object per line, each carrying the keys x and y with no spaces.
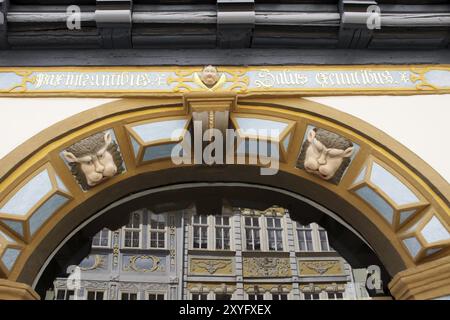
{"x":151,"y":80}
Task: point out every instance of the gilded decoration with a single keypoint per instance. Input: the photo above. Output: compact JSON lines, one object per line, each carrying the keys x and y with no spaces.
{"x":93,"y":262}
{"x":116,"y":249}
{"x":211,"y":266}
{"x":320,"y":267}
{"x":319,"y":287}
{"x":94,"y":159}
{"x":215,"y":287}
{"x":325,"y":154}
{"x":270,"y":212}
{"x":143,"y":263}
{"x":314,"y":80}
{"x":266,"y":267}
{"x":209,"y":79}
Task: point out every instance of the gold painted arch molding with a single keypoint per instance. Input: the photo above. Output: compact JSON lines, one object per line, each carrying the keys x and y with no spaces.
{"x":52,"y":183}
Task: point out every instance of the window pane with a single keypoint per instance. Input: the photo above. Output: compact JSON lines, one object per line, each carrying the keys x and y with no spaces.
{"x":279,"y":240}
{"x":271,"y":234}
{"x":278,"y":223}
{"x":249,"y":239}
{"x":204,"y":237}
{"x":91,"y":295}
{"x":104,"y":242}
{"x":257,"y":241}
{"x":226,"y":239}
{"x":61,"y":295}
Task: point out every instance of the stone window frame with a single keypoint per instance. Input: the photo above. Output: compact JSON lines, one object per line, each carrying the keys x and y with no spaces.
{"x":150,"y":230}
{"x":140,"y":230}
{"x":109,"y":239}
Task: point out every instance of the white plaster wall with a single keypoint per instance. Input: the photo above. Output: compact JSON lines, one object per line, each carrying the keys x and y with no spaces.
{"x":421,"y":123}
{"x":22,"y":118}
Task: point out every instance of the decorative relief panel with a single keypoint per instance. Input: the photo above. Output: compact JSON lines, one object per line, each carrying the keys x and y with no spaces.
{"x":326,"y":154}
{"x":318,"y":287}
{"x":207,"y":287}
{"x":94,"y":159}
{"x":172,"y":242}
{"x":211,"y":266}
{"x":94,"y":262}
{"x":320,"y":267}
{"x":267,"y":287}
{"x":270,"y":212}
{"x":266,"y":267}
{"x":210,"y":78}
{"x":144,"y":263}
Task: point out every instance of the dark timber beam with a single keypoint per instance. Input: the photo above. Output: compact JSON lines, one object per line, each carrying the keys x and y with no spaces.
{"x":235,"y":23}
{"x":4,"y":6}
{"x":113,"y":19}
{"x":230,"y":57}
{"x":356,"y":16}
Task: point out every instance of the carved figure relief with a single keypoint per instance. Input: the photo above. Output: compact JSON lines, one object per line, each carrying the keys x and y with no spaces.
{"x":266,"y":267}
{"x":320,"y":267}
{"x":325,"y":154}
{"x":209,"y":78}
{"x":211,"y":266}
{"x":94,"y":159}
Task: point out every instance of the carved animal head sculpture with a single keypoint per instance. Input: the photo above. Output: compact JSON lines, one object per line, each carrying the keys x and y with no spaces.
{"x":325,"y":154}
{"x":209,"y":75}
{"x":94,"y":159}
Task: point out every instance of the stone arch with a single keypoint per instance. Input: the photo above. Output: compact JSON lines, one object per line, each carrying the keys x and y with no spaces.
{"x":407,"y":225}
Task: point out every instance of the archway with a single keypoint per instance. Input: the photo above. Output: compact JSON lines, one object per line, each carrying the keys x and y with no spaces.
{"x":393,"y":199}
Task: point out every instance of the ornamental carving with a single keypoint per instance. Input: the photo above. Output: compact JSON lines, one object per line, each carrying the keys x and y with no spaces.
{"x":266,"y":267}
{"x":209,"y":79}
{"x":92,"y":284}
{"x":319,"y":287}
{"x":93,"y":262}
{"x":143,"y":263}
{"x":211,"y":266}
{"x":94,"y":159}
{"x":332,"y":267}
{"x":261,"y":288}
{"x":325,"y":154}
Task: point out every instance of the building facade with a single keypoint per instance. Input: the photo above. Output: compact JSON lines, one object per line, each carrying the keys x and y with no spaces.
{"x":243,"y":254}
